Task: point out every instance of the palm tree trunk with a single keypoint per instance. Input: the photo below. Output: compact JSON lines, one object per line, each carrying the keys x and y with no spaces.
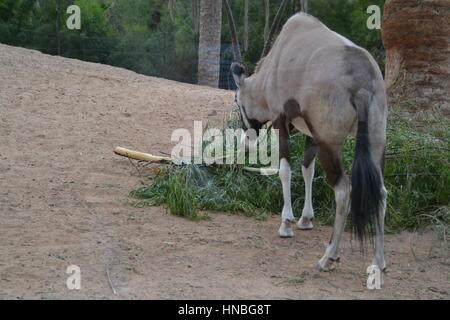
{"x":417,"y":53}
{"x":209,"y":42}
{"x":304,"y":5}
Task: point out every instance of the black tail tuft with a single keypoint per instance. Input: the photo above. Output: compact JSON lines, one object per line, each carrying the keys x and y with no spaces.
{"x":366,"y":197}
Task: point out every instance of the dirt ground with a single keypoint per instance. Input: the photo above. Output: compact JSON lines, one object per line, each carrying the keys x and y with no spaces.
{"x":63,"y":201}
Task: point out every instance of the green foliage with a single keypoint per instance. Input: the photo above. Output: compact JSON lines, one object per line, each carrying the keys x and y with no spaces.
{"x":151,"y":45}
{"x":176,"y":192}
{"x":36,"y":24}
{"x":91,"y":42}
{"x":140,"y":34}
{"x":417,"y":175}
{"x":417,"y":168}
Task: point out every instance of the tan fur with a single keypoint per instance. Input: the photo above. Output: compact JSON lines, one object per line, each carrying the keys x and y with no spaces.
{"x":307,"y":63}
{"x":315,"y":79}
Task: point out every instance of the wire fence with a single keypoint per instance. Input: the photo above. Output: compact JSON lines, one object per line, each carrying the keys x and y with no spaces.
{"x":153,"y":54}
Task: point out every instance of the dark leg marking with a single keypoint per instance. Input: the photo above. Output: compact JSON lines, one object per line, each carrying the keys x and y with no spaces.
{"x":281,"y":124}
{"x":310,"y":151}
{"x":292,"y":129}
{"x":292,"y":109}
{"x":331,"y":163}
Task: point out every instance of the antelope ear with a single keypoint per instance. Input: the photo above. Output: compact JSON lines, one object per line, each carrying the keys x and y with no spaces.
{"x":238,"y":71}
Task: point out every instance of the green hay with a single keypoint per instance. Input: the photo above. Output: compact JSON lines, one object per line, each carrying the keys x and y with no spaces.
{"x":417,"y":177}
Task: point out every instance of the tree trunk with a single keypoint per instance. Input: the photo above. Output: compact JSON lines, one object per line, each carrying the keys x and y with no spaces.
{"x":416,"y":35}
{"x":172,"y":8}
{"x":209,"y":43}
{"x":304,"y":5}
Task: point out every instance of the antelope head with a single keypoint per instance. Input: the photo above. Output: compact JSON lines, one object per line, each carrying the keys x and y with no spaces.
{"x":249,"y":108}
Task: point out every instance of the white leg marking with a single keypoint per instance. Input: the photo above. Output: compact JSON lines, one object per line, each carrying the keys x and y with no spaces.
{"x":287,"y":217}
{"x":342,"y":197}
{"x":308,"y":212}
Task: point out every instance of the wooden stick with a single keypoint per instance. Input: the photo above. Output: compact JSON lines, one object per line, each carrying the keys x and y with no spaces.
{"x":140,"y":155}
{"x":264,"y":171}
{"x":151,"y":158}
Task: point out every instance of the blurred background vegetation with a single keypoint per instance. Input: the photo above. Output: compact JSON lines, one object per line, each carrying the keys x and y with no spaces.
{"x":160,"y":37}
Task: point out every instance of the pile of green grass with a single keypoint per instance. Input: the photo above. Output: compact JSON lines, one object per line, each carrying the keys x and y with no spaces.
{"x":417,"y":177}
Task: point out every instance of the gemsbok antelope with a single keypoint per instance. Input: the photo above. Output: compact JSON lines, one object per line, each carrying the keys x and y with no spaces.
{"x":328,"y":88}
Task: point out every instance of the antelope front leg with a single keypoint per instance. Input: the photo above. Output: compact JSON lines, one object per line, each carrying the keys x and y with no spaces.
{"x":287,"y":216}
{"x":305,"y":222}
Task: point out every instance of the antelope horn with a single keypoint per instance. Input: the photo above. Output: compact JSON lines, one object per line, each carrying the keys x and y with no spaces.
{"x":236,"y":49}
{"x":273,"y":28}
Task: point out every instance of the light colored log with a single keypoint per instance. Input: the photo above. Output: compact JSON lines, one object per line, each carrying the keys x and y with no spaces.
{"x":140,"y":155}
{"x":264,"y":171}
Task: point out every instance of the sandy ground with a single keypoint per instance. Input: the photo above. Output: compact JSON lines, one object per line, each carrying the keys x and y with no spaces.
{"x":63,"y":201}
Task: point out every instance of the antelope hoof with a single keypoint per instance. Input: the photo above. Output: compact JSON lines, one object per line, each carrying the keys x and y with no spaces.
{"x":327,"y":265}
{"x":305,"y":223}
{"x":285,"y":230}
